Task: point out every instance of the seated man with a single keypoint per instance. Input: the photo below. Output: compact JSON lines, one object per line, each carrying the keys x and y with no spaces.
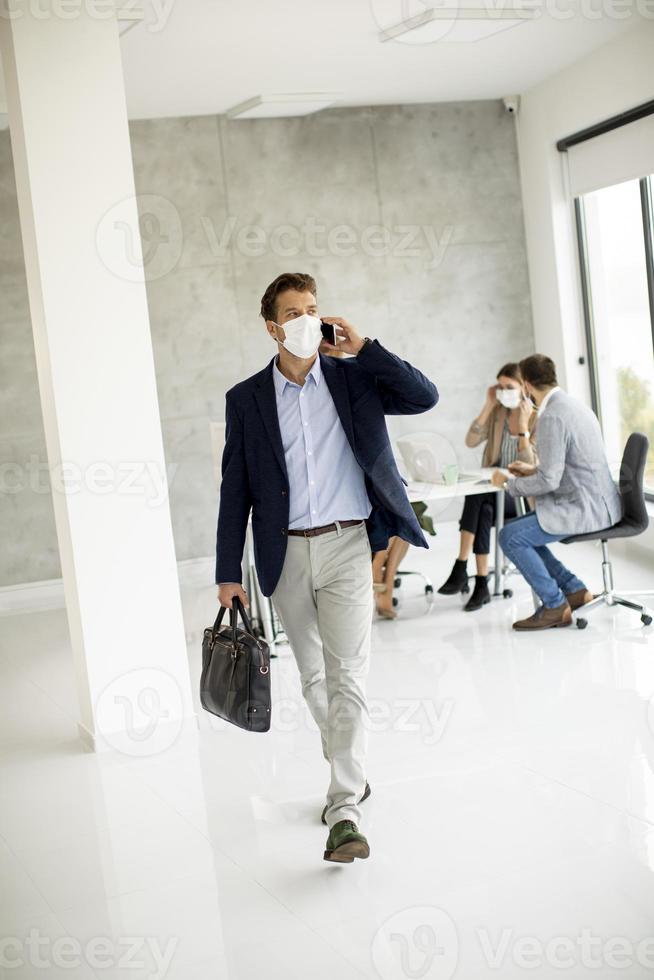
{"x":573,"y":490}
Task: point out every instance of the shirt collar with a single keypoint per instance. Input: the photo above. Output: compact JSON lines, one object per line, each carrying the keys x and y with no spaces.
{"x":541,"y":407}
{"x":281,"y":380}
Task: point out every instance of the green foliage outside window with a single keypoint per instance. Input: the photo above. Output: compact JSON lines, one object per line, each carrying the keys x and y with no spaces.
{"x":637,"y":413}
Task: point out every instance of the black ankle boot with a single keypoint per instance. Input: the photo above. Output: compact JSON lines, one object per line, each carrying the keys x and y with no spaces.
{"x":480,"y":594}
{"x":458,"y":580}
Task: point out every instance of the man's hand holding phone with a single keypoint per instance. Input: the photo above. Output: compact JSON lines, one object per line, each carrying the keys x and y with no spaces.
{"x":498,"y":478}
{"x":348,"y":340}
{"x":521,"y":469}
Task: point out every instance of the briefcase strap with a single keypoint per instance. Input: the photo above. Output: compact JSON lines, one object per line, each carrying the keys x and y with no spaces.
{"x":238,"y":608}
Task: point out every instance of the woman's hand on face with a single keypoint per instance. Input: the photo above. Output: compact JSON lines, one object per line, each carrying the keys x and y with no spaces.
{"x":491,"y":395}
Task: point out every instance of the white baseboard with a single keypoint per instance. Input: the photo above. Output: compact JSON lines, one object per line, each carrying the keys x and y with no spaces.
{"x":120,"y":744}
{"x":26,"y":597}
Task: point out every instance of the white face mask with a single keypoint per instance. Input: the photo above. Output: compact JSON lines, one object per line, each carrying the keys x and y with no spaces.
{"x":509,"y":397}
{"x":302,"y":335}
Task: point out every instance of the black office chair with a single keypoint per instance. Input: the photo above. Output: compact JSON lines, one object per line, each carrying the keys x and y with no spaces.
{"x":634,"y":521}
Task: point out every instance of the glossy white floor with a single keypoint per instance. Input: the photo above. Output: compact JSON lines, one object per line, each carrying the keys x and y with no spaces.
{"x":511,"y":820}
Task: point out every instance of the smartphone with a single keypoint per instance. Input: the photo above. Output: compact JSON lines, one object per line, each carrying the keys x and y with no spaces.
{"x":329,"y":332}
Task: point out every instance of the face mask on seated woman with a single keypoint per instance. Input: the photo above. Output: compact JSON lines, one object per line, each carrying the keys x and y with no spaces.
{"x":509,"y":397}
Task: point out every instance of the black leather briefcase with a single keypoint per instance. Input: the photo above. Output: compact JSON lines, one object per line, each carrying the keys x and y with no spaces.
{"x":235,"y":680}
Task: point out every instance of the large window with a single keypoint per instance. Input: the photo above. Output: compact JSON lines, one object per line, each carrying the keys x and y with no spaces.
{"x":615,"y":236}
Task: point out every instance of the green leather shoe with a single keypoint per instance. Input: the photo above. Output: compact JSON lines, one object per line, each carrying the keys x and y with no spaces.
{"x":366,"y":794}
{"x":345,"y":843}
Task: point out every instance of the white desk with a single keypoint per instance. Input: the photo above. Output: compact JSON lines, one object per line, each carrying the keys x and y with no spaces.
{"x":262,"y":607}
{"x":444,"y":492}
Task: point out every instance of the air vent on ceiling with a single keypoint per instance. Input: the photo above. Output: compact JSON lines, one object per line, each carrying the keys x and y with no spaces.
{"x":291,"y":104}
{"x":458,"y":24}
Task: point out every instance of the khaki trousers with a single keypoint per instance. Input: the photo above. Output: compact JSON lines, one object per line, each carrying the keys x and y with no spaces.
{"x":325,"y":602}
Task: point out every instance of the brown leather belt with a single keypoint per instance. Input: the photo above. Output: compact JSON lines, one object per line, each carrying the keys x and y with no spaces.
{"x":309,"y":532}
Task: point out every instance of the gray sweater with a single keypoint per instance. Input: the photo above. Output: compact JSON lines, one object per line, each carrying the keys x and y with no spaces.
{"x":573,"y":487}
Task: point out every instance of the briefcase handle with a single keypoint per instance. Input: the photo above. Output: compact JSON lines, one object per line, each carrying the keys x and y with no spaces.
{"x":234,"y":613}
{"x":238,"y":608}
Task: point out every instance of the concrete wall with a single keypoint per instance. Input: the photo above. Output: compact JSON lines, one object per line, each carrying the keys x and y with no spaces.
{"x":27,"y":530}
{"x":409,"y":217}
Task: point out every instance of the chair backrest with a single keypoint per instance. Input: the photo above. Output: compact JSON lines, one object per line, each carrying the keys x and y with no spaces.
{"x":632,"y":470}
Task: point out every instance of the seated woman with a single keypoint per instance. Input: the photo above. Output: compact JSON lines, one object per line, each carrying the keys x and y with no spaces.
{"x":506,"y":423}
{"x":385,"y":564}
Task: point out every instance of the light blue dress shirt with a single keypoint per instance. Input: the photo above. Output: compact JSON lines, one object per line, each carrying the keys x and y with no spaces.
{"x":325,"y":481}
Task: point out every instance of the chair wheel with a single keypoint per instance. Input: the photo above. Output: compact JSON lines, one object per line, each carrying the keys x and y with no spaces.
{"x":429,"y":589}
{"x":581,"y":624}
{"x":646,"y":620}
{"x":508,"y":593}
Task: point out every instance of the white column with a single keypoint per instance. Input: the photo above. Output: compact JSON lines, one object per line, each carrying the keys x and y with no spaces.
{"x":79,"y":222}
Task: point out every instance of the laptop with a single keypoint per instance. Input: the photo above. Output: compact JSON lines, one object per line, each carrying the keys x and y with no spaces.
{"x":422,"y":465}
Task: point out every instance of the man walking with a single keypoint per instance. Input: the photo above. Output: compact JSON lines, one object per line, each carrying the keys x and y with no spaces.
{"x":307,"y":450}
{"x":574,"y":492}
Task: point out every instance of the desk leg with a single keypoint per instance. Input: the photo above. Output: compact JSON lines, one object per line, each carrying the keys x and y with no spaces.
{"x":499,"y":557}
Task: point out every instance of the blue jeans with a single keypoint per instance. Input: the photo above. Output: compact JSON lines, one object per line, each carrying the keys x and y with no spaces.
{"x":523,"y":541}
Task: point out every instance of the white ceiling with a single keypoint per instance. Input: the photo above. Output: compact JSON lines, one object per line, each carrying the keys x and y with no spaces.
{"x":212,"y":54}
{"x":194,"y":57}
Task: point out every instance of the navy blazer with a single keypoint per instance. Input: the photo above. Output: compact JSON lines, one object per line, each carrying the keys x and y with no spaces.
{"x":365,"y":388}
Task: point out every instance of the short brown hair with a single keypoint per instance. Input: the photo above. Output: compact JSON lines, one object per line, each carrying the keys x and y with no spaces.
{"x":510,"y":370}
{"x":301,"y":281}
{"x":539,"y":370}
